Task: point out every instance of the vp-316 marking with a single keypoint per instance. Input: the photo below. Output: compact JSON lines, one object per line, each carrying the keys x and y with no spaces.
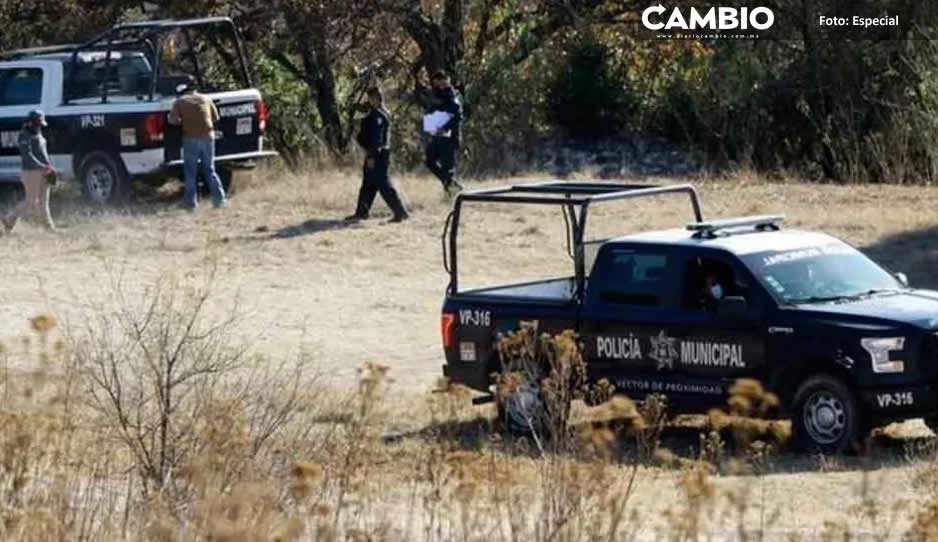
{"x":478,"y":318}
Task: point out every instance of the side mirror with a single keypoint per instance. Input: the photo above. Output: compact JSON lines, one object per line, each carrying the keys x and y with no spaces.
{"x":733,"y":309}
{"x":903,"y":279}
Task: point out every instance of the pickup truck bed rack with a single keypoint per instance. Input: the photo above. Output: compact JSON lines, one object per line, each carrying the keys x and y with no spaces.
{"x":144,"y":36}
{"x":574,"y":198}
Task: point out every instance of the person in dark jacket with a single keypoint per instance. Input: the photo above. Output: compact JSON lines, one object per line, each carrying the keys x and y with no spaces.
{"x":37,"y":172}
{"x":374,"y":137}
{"x":444,"y":143}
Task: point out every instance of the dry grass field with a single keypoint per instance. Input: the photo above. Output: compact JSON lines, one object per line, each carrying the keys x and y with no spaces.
{"x":202,"y":377}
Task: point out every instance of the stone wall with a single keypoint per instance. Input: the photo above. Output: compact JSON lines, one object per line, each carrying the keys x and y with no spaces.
{"x":640,"y":155}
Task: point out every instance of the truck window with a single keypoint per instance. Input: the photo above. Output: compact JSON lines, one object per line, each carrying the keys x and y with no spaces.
{"x":20,"y":86}
{"x":214,"y":66}
{"x":635,"y":277}
{"x":127,"y":75}
{"x":831,"y":269}
{"x":700,"y":274}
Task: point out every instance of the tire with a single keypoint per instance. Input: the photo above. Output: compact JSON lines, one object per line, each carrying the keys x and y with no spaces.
{"x":103,"y":178}
{"x":228,"y":184}
{"x":825,"y":417}
{"x":11,"y":193}
{"x":524,"y":411}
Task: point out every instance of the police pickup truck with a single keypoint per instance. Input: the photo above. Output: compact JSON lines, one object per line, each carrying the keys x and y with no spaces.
{"x":107,"y":101}
{"x":684,"y":312}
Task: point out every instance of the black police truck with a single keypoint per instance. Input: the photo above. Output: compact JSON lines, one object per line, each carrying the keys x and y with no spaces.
{"x":684,"y":312}
{"x":107,"y":103}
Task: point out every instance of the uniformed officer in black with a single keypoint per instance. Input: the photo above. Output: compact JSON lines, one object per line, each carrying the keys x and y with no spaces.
{"x":444,"y":143}
{"x":375,"y":138}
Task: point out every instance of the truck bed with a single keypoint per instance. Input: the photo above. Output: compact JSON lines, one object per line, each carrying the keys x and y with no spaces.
{"x":556,"y":290}
{"x":472,"y":320}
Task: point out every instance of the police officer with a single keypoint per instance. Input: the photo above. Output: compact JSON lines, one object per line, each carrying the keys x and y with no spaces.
{"x":444,"y":143}
{"x":374,"y":137}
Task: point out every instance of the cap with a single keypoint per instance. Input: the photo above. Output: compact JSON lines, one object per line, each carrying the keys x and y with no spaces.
{"x":188,"y":84}
{"x":375,"y":91}
{"x":37,"y":115}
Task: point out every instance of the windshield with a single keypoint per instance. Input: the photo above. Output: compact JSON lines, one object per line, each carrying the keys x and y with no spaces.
{"x":827,"y":272}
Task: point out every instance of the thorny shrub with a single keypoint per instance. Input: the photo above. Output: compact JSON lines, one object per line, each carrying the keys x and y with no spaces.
{"x":277,"y":458}
{"x":745,"y":420}
{"x":554,"y":366}
{"x":53,"y":473}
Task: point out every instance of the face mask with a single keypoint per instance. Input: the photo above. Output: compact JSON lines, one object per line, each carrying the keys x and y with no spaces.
{"x":717,"y":291}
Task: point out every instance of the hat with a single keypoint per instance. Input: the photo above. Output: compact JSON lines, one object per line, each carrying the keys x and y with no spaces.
{"x":186,"y":85}
{"x":375,"y":91}
{"x":36,"y":115}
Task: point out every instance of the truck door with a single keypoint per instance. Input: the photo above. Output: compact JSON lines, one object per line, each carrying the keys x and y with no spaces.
{"x":632,"y":327}
{"x":21,"y":86}
{"x":715,"y":350}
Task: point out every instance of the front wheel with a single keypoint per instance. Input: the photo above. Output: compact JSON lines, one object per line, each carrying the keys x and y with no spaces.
{"x":825,"y":416}
{"x":103,"y":177}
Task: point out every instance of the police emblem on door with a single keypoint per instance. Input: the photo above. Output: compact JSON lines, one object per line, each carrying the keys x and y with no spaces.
{"x":663,"y":351}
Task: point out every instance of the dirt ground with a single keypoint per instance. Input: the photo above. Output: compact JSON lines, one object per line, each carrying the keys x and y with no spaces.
{"x":349,"y":293}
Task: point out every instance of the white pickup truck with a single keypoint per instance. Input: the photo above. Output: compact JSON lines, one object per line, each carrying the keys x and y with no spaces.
{"x":107,"y":103}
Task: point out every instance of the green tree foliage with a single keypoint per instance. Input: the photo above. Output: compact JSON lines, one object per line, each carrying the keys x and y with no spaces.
{"x":587,"y":98}
{"x":843,"y":109}
{"x":32,"y":23}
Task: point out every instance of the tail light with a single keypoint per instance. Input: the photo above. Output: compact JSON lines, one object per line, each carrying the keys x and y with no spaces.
{"x":153,"y":125}
{"x":261,"y":115}
{"x":447,"y":322}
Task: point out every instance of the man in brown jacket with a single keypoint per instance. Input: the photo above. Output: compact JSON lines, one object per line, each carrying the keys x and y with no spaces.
{"x":197,"y":114}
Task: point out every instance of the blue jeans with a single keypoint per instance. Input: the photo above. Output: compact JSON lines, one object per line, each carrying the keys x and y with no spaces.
{"x":199,"y":154}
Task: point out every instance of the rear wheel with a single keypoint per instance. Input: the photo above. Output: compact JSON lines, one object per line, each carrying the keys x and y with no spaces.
{"x":523,"y":411}
{"x":11,"y":193}
{"x":103,"y":178}
{"x":825,"y":416}
{"x":228,"y":177}
{"x":225,"y":175}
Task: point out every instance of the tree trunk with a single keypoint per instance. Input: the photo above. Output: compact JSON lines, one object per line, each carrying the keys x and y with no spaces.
{"x":309,"y":35}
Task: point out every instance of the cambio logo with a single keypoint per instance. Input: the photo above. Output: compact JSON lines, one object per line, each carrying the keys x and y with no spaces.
{"x":717,"y":18}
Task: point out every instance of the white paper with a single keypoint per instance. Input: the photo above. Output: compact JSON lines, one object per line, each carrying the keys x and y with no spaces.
{"x":435,"y":120}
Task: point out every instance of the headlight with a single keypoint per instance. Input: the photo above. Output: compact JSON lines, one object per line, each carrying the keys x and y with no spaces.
{"x":879,"y":348}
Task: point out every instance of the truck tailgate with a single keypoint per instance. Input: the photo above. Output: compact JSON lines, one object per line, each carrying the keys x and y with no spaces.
{"x":239,"y":133}
{"x":470,"y":325}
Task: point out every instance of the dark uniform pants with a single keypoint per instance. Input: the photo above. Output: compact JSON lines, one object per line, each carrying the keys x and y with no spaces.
{"x":374,"y":180}
{"x":441,"y":158}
